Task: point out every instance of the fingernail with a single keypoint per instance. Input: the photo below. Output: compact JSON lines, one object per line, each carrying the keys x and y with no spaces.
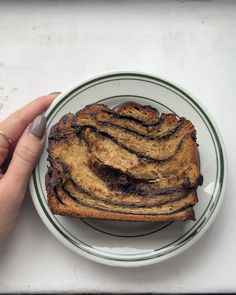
{"x":56,"y":92}
{"x":38,"y":126}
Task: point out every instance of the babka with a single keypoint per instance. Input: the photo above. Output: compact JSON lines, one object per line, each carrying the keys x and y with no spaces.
{"x":126,"y":163}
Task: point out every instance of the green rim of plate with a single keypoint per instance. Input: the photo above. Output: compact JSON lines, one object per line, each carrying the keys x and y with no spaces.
{"x":191,"y":233}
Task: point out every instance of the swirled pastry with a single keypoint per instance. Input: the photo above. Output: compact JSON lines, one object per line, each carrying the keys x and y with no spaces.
{"x":126,"y":163}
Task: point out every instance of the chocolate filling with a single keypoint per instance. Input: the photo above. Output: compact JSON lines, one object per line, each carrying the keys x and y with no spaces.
{"x":81,"y":202}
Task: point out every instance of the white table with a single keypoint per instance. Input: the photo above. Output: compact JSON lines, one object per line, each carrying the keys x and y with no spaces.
{"x":49,"y":46}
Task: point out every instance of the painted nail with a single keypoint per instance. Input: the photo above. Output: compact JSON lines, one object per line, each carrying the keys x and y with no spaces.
{"x":56,"y":92}
{"x":38,"y":126}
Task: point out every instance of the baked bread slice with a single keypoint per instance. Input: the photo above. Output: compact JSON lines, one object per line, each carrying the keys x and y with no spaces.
{"x":126,"y":163}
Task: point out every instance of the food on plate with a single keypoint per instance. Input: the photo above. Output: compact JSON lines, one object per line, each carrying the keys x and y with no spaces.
{"x":126,"y":163}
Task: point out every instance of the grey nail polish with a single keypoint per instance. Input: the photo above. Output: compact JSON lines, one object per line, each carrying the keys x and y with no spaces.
{"x":38,"y":126}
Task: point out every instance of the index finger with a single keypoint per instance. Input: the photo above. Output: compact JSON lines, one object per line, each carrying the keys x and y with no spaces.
{"x":14,"y":125}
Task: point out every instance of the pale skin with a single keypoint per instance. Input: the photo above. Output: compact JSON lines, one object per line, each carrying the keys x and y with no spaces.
{"x":18,"y":159}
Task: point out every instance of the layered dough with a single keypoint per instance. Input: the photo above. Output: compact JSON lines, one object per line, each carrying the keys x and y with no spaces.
{"x":123,"y":164}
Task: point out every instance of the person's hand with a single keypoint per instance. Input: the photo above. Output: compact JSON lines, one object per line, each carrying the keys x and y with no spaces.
{"x":21,"y":142}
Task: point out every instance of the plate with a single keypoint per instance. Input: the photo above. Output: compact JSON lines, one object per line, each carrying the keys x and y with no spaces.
{"x":136,"y":243}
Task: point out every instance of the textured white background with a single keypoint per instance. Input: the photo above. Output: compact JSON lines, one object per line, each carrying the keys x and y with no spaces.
{"x":49,"y":46}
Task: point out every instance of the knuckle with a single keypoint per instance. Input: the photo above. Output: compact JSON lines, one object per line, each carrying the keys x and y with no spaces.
{"x":26,"y":154}
{"x":18,"y":116}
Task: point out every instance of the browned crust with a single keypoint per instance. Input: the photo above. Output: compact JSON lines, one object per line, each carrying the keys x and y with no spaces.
{"x":152,"y":116}
{"x":85,"y":212}
{"x":166,"y":126}
{"x":62,"y":128}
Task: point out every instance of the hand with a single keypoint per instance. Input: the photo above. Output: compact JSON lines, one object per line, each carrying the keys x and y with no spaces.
{"x":18,"y":158}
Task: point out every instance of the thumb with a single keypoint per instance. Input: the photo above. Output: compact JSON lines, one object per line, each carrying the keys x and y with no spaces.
{"x":26,"y":154}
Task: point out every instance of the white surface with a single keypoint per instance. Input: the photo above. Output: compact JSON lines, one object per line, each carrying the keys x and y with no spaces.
{"x":49,"y":46}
